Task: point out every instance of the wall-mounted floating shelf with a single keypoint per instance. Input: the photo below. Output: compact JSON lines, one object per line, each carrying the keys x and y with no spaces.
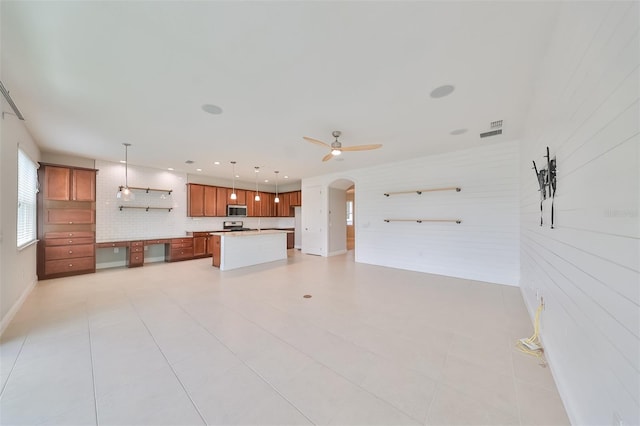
{"x":168,"y":191}
{"x":458,"y":221}
{"x":145,"y":208}
{"x":420,"y":191}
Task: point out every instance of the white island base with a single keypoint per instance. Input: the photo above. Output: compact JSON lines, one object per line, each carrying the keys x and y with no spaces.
{"x":246,"y":248}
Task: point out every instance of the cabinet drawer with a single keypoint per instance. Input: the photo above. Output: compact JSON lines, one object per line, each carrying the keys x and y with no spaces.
{"x":181,"y":253}
{"x":70,"y":234}
{"x":71,"y":265}
{"x":69,"y":252}
{"x":182,"y":240}
{"x":175,"y":246}
{"x":136,"y":259}
{"x":68,"y":241}
{"x":151,"y":242}
{"x":134,"y":249}
{"x":136,"y":243}
{"x":70,"y":216}
{"x":113,"y":244}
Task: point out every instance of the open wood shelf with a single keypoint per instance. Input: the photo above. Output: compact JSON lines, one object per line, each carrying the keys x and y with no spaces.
{"x":168,"y":191}
{"x":420,"y":191}
{"x":458,"y":221}
{"x":145,"y":208}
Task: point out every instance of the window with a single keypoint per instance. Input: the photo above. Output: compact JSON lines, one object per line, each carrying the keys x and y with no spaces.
{"x":27,"y":189}
{"x":349,"y":212}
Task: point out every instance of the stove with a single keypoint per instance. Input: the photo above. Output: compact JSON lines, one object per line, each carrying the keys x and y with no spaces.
{"x":235,"y":225}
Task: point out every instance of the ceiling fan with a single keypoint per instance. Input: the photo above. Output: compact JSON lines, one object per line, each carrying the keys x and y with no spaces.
{"x":337,"y":148}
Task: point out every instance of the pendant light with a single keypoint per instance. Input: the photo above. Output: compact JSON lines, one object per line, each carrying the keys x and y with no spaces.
{"x":277,"y":199}
{"x":233,"y":191}
{"x":125,"y":193}
{"x":256,"y":169}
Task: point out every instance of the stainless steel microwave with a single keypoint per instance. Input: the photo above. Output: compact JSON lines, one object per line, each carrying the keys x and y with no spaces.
{"x":234,"y":210}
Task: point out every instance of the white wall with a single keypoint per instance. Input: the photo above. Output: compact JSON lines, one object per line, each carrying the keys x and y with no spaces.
{"x":17,"y":267}
{"x":586,"y":111}
{"x":483,"y":247}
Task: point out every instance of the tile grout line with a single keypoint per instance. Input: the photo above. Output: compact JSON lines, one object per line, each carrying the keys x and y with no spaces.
{"x":239,"y":358}
{"x":310,"y":356}
{"x":13,"y":366}
{"x":166,"y":360}
{"x":93,"y":370}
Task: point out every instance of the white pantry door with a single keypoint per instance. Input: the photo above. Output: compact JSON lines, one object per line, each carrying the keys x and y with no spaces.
{"x":312,"y":220}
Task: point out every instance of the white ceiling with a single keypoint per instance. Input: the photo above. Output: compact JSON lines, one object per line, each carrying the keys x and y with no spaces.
{"x":89,"y":76}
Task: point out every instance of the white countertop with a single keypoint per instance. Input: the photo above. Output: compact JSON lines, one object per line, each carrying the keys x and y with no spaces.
{"x":250,"y":233}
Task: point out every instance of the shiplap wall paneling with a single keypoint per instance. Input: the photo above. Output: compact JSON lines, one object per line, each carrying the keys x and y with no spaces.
{"x":587,"y":269}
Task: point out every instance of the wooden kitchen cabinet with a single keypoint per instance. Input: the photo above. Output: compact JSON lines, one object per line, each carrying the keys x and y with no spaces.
{"x":70,"y":216}
{"x":215,"y":250}
{"x":69,"y":183}
{"x":66,"y":221}
{"x":201,"y":244}
{"x":195,"y":200}
{"x":241,"y":197}
{"x":179,"y":249}
{"x":210,"y":201}
{"x":136,"y":254}
{"x":223,"y":200}
{"x":284,"y":206}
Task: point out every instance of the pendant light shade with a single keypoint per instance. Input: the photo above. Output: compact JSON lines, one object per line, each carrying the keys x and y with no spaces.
{"x":124,"y":193}
{"x":233,"y":191}
{"x":277,"y":199}
{"x":256,"y":169}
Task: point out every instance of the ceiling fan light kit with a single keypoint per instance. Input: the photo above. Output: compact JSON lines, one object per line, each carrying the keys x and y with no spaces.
{"x":276,"y":199}
{"x":336,"y":147}
{"x":257,"y":170}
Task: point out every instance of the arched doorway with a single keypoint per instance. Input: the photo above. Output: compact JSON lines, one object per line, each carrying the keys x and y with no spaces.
{"x":341,"y":209}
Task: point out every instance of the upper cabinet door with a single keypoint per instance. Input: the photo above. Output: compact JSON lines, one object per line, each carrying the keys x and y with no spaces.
{"x":69,"y":184}
{"x":57,"y":183}
{"x":84,"y":185}
{"x":210,"y":200}
{"x":195,"y":200}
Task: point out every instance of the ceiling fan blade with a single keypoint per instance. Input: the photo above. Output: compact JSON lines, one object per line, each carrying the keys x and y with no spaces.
{"x":362,"y":147}
{"x":327,"y":157}
{"x":316,"y":141}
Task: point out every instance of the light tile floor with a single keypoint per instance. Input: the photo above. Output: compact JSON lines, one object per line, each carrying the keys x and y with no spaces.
{"x":186,"y":344}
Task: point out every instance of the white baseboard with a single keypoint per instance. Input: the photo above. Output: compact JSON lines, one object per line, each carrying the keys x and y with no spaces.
{"x":337,"y":252}
{"x":16,"y":306}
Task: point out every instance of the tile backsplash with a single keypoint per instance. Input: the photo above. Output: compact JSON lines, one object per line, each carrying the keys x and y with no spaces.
{"x":112,"y":224}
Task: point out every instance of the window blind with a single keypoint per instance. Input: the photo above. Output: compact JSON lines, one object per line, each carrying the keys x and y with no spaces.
{"x":27,"y":189}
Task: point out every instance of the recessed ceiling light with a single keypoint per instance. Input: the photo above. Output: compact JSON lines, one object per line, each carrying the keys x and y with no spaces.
{"x":458,"y":132}
{"x":170,"y":168}
{"x":217,"y":163}
{"x":442,"y":91}
{"x":286,"y":177}
{"x":123,"y":162}
{"x":237,"y":176}
{"x":198,"y":170}
{"x":266,"y":180}
{"x":212,"y":109}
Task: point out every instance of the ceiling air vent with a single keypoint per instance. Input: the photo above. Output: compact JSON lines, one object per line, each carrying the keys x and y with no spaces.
{"x":496,"y":124}
{"x":491,"y":133}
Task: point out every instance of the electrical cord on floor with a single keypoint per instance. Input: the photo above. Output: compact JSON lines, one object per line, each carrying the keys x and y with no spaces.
{"x":532,"y":346}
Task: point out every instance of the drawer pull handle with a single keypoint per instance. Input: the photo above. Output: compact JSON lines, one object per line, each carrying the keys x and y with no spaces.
{"x":70,"y":241}
{"x":71,"y":264}
{"x":70,"y":223}
{"x":70,"y":251}
{"x":71,"y":235}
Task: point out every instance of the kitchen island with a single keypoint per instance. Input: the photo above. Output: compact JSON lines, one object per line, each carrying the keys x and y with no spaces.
{"x":245,"y":248}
